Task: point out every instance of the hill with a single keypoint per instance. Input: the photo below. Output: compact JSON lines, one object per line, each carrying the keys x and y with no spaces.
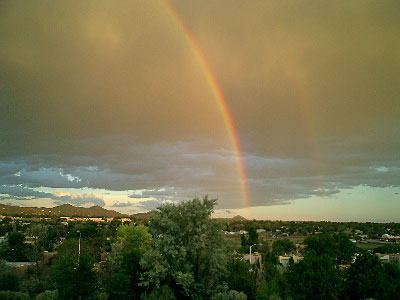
{"x":65,"y":210}
{"x":239,"y":218}
{"x":143,"y":216}
{"x":235,"y":218}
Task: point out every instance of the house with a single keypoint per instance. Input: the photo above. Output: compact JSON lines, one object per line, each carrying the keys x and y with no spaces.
{"x":385,"y":258}
{"x":254,"y":258}
{"x":284,"y":260}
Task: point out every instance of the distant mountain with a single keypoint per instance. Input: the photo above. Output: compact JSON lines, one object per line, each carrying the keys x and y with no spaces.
{"x":65,"y":210}
{"x":235,"y":218}
{"x":239,"y":218}
{"x":144,"y":216}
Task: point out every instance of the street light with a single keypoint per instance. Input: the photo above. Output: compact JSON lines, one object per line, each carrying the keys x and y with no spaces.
{"x":250,"y":250}
{"x":79,"y":246}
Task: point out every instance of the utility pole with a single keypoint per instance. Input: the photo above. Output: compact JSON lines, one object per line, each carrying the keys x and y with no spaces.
{"x":79,"y":246}
{"x":250,"y":250}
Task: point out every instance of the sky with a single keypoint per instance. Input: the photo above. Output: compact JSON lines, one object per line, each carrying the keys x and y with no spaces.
{"x":107,"y":103}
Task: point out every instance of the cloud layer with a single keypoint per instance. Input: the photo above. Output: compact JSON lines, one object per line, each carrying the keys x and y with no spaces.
{"x":109,"y":96}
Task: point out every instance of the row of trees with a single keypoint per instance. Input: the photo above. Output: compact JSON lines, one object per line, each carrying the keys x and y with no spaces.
{"x":182,"y":254}
{"x":374,"y":230}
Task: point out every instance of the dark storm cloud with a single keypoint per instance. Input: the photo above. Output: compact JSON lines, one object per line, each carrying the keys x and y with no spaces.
{"x":182,"y":171}
{"x":108,"y":95}
{"x":23,"y":193}
{"x":122,"y":204}
{"x":156,"y":193}
{"x":84,"y":199}
{"x":150,"y":204}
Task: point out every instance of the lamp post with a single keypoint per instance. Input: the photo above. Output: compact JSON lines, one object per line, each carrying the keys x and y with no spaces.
{"x":250,"y":252}
{"x":79,"y":246}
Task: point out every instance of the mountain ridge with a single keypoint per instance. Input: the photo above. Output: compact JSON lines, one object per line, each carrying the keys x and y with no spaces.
{"x":64,"y":210}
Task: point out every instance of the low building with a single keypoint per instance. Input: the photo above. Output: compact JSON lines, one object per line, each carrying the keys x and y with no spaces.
{"x":284,"y":259}
{"x":254,"y":258}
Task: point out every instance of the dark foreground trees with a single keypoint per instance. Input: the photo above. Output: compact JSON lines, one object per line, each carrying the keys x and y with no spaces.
{"x":181,"y":254}
{"x":73,"y":274}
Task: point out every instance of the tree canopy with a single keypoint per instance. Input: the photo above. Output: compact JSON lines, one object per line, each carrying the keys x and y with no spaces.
{"x":188,"y":250}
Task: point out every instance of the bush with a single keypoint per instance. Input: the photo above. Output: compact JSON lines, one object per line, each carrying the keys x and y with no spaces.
{"x":230,"y":295}
{"x":162,"y":293}
{"x":10,"y":295}
{"x":47,"y":295}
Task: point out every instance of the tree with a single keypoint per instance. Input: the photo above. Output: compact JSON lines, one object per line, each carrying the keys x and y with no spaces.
{"x":273,"y":283}
{"x":188,"y":250}
{"x":365,"y":278}
{"x":337,"y":246}
{"x":280,"y":247}
{"x":243,"y":240}
{"x":253,"y":236}
{"x":15,"y":248}
{"x":345,"y":249}
{"x":11,"y":295}
{"x":8,"y":277}
{"x":229,"y":295}
{"x":240,"y":277}
{"x":315,"y":277}
{"x":322,"y":244}
{"x":392,"y":280}
{"x":124,"y":262}
{"x":162,"y":293}
{"x":47,"y":295}
{"x":74,"y":279}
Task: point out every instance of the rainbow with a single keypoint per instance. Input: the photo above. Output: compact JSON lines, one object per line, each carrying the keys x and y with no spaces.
{"x":219,"y":99}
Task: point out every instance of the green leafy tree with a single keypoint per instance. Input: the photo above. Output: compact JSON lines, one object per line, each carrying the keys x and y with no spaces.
{"x":11,"y":295}
{"x":345,"y":249}
{"x":243,"y":240}
{"x":273,"y":284}
{"x":387,"y":249}
{"x":8,"y":277}
{"x":73,"y":278}
{"x":47,"y":295}
{"x":229,"y":295}
{"x":241,"y":278}
{"x":365,"y":278}
{"x":315,"y":277}
{"x":164,"y":292}
{"x":253,"y":236}
{"x":337,"y":246}
{"x":188,"y":250}
{"x":283,"y":246}
{"x":124,"y":262}
{"x":392,"y":280}
{"x":15,"y":248}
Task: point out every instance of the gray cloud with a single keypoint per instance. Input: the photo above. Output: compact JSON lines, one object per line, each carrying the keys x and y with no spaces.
{"x":109,"y":96}
{"x":122,"y":204}
{"x":183,"y":170}
{"x":22,"y":193}
{"x":80,"y":200}
{"x":150,"y":204}
{"x":165,"y":193}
